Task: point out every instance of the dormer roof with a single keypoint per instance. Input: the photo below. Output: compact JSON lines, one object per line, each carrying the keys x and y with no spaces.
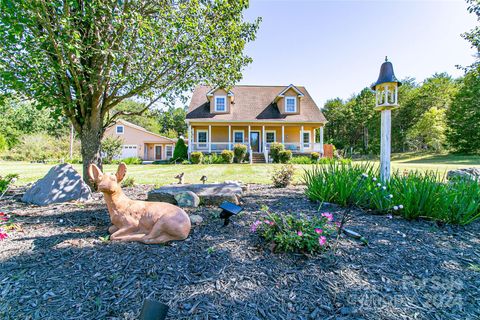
{"x":211,"y":92}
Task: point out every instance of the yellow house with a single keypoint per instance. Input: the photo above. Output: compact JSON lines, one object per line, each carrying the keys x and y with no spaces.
{"x":255,"y":116}
{"x":140,"y":143}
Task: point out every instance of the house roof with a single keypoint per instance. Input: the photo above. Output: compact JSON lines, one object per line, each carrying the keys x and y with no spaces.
{"x":253,"y":103}
{"x":132,"y":125}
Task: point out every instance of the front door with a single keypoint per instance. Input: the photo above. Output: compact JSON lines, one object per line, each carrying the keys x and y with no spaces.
{"x":255,"y":141}
{"x":158,"y":152}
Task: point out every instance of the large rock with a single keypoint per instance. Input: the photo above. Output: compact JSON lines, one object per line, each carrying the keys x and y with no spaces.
{"x":466,"y":173}
{"x":61,"y":184}
{"x":210,"y":194}
{"x":187,"y":199}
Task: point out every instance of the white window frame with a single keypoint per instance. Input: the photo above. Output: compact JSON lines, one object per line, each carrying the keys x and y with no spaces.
{"x":294,"y":105}
{"x":119,"y":126}
{"x":307,"y":145}
{"x":243,"y":136}
{"x":274,"y":135}
{"x":202,"y":145}
{"x":166,"y":151}
{"x":225,"y":104}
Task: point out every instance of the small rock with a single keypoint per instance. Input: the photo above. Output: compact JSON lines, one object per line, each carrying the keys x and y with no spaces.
{"x":187,"y":199}
{"x":196,"y":219}
{"x":464,"y":174}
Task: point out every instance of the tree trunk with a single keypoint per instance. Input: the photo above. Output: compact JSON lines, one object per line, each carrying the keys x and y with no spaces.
{"x":91,"y":138}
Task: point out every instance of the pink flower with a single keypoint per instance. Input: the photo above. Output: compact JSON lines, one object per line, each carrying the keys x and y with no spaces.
{"x":269,"y":222}
{"x":3,"y":218}
{"x":322,"y":240}
{"x":300,"y":233}
{"x":254,"y":226}
{"x":338,"y":224}
{"x":327,"y":215}
{"x":318,"y":230}
{"x":3,"y":236}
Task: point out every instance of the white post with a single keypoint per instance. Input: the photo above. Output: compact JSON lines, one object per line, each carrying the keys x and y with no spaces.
{"x":321,"y":141}
{"x":283,"y":135}
{"x":249,"y":129}
{"x":229,"y":137}
{"x":190,"y":138}
{"x":386,"y":116}
{"x":209,"y":138}
{"x":301,"y":139}
{"x":264,"y":145}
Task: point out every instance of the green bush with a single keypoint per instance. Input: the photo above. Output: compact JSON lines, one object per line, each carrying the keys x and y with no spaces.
{"x":42,"y":147}
{"x":213,"y":159}
{"x":239,"y":151}
{"x":315,"y":156}
{"x":186,"y":162}
{"x":333,"y":161}
{"x":227,"y":156}
{"x":301,"y":160}
{"x":196,"y":157}
{"x":416,"y":195}
{"x":111,"y":148}
{"x":290,"y":233}
{"x":131,"y":160}
{"x":282,"y":177}
{"x":285,"y":156}
{"x":5,"y":181}
{"x":3,"y":143}
{"x":128,"y":182}
{"x":181,"y":150}
{"x":275,"y":149}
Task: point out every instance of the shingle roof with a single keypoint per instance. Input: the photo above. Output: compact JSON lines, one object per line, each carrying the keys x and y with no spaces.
{"x":132,"y":125}
{"x":253,"y":103}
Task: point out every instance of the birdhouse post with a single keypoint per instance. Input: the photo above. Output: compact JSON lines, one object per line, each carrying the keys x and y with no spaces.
{"x":386,"y":100}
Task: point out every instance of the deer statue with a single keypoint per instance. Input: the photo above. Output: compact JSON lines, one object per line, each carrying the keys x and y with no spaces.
{"x":180,"y":177}
{"x":133,"y":220}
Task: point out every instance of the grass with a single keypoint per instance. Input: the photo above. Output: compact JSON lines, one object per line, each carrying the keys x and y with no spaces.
{"x":256,"y":173}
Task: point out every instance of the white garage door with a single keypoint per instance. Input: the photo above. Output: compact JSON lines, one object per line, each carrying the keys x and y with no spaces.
{"x":129,"y":151}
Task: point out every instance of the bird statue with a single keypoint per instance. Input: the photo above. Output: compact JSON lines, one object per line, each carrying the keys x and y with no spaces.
{"x":180,"y":177}
{"x":204,"y":179}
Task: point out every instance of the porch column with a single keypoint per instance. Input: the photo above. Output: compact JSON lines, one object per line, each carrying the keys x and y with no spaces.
{"x":249,"y":130}
{"x":209,"y":138}
{"x":190,"y":140}
{"x":229,"y":137}
{"x":321,"y":141}
{"x":283,"y":134}
{"x":263,"y":138}
{"x":301,"y":139}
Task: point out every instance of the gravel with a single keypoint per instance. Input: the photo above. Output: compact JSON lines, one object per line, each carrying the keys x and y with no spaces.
{"x":58,"y":267}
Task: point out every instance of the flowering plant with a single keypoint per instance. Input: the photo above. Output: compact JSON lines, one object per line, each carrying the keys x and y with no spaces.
{"x":289,"y":233}
{"x":6,"y":224}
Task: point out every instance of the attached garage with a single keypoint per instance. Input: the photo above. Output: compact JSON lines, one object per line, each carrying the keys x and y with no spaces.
{"x":129,"y":151}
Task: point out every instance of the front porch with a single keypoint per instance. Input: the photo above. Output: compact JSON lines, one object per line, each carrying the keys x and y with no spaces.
{"x":298,"y":138}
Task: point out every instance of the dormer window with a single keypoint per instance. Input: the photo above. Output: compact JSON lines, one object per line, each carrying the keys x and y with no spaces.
{"x":119,"y":129}
{"x":220,"y":103}
{"x":290,"y":104}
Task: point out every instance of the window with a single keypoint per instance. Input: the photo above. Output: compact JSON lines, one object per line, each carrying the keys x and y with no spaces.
{"x":169,"y":152}
{"x":202,"y":137}
{"x":220,"y":104}
{"x":290,"y":104}
{"x":119,"y":129}
{"x":238,"y":136}
{"x":306,"y":139}
{"x":270,"y":136}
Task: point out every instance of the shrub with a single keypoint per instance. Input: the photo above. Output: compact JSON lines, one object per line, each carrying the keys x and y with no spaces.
{"x":41,"y":147}
{"x":196,"y":157}
{"x":290,"y":233}
{"x":5,"y":181}
{"x":315,"y":156}
{"x":128,"y":182}
{"x":213,"y":159}
{"x":416,"y":195}
{"x":132,"y":160}
{"x":186,"y":162}
{"x":227,"y":156}
{"x":282,"y":177}
{"x":301,"y":160}
{"x":3,"y":143}
{"x":181,"y":150}
{"x":275,"y":149}
{"x":239,"y":151}
{"x":285,"y":156}
{"x":111,"y":148}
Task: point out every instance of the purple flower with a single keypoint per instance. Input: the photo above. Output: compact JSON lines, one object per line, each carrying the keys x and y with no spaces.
{"x":300,"y":233}
{"x":254,"y":226}
{"x":327,"y":215}
{"x":318,"y":230}
{"x":322,"y":240}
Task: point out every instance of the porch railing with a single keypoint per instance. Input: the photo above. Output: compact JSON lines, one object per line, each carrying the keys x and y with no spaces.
{"x":218,"y":147}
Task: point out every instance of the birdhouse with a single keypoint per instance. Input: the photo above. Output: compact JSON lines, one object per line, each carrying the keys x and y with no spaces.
{"x":386,"y":88}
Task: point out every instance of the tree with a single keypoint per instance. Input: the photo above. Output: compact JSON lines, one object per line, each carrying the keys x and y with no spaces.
{"x":173,"y":119}
{"x":86,"y":57}
{"x":131,"y":110}
{"x":181,"y":150}
{"x":111,"y":148}
{"x":429,"y":132}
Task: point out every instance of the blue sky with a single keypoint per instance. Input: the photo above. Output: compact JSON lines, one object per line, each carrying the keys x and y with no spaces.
{"x":335,"y":48}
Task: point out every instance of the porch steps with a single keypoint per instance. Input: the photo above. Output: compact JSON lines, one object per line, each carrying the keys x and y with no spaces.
{"x":258,"y":158}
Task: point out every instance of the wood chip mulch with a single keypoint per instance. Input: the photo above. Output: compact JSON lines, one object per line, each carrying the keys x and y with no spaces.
{"x":57,"y":267}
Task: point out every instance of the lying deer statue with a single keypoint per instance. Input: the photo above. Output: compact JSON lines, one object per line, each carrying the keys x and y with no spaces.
{"x":147,"y":222}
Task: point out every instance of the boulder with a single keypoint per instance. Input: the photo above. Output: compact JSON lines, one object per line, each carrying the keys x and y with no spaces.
{"x":466,"y":173}
{"x":196,"y":219}
{"x":210,"y":194}
{"x":187,"y":199}
{"x":61,"y":184}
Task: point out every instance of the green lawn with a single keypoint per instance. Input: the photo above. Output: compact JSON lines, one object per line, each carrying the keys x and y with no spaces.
{"x":257,"y":173}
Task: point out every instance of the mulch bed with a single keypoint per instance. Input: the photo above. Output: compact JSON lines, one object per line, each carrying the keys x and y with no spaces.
{"x":58,"y":268}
